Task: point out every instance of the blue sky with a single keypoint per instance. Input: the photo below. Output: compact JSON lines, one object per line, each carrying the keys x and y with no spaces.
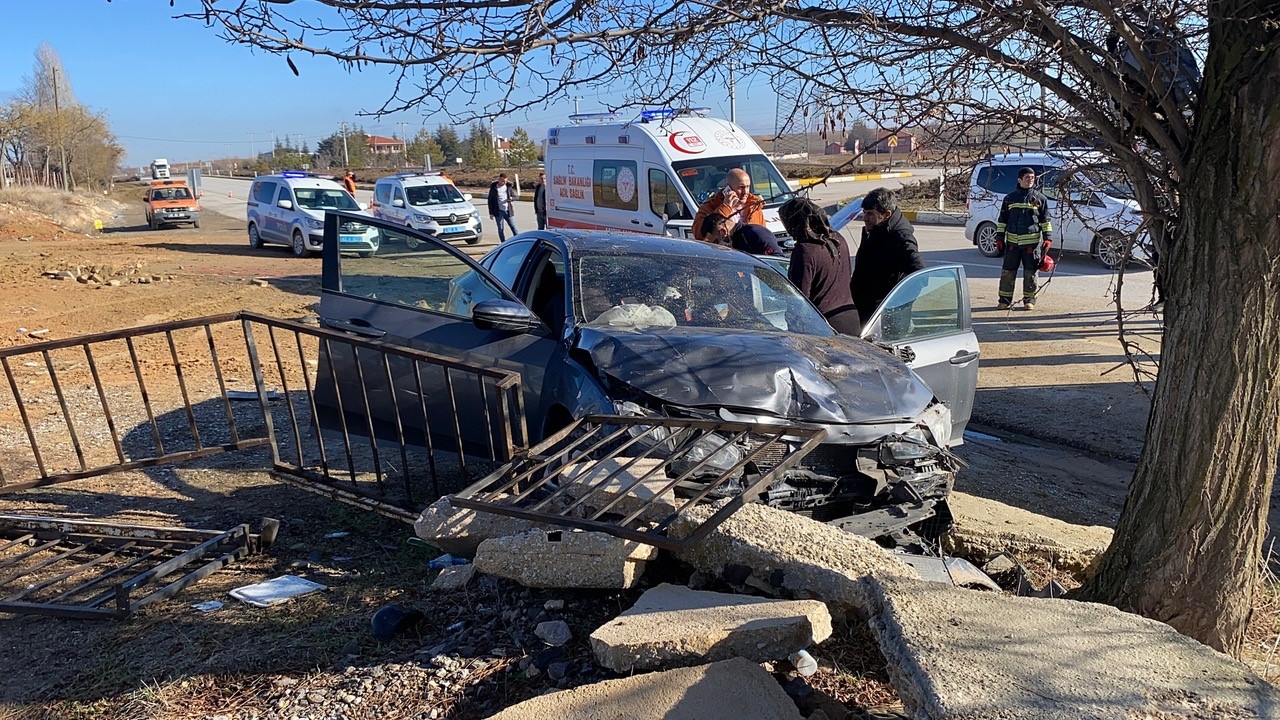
{"x":117,"y":56}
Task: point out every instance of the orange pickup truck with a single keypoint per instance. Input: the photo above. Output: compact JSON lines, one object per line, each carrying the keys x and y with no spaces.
{"x":172,"y":202}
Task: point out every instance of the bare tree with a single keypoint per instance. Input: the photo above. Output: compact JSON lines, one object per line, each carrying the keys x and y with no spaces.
{"x":1201,"y":154}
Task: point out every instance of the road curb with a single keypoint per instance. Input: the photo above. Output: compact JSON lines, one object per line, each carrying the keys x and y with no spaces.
{"x":805,"y":183}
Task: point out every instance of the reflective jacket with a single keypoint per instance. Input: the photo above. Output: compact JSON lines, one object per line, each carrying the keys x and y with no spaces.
{"x":1024,"y":217}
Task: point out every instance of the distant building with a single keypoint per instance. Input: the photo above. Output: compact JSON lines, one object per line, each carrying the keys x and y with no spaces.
{"x":379,"y":145}
{"x":835,"y":148}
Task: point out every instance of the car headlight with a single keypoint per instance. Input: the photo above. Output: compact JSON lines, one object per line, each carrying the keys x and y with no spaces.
{"x":313,"y":223}
{"x":419,"y":217}
{"x":719,"y":456}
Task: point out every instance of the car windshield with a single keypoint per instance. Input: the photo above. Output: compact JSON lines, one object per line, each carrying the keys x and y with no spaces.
{"x":171,"y":194}
{"x":661,"y":290}
{"x":1110,"y":180}
{"x":419,"y":195}
{"x":704,"y":176}
{"x":324,"y":199}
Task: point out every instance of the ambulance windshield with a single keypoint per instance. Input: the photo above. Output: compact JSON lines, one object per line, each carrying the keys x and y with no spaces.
{"x":704,"y":176}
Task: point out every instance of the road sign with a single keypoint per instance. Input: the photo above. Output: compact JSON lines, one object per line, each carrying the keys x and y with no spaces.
{"x":893,"y":141}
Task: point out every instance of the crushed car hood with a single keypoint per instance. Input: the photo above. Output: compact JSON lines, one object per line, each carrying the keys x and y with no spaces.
{"x":806,"y":378}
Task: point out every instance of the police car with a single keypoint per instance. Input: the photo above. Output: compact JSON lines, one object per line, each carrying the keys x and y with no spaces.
{"x":427,"y":201}
{"x":289,"y":208}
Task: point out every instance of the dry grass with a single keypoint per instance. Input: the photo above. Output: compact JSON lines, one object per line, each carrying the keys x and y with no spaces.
{"x":73,"y":211}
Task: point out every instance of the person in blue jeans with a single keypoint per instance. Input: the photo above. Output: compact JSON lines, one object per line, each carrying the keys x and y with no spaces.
{"x":501,"y":205}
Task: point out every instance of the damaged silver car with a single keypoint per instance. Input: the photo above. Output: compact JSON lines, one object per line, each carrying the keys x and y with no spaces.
{"x":619,"y":324}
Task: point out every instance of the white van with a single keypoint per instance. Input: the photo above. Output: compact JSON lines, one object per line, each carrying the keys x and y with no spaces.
{"x":427,"y":201}
{"x":649,"y":175}
{"x":1091,"y":204}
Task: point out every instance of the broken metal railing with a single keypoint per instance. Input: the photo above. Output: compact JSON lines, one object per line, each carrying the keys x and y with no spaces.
{"x":386,"y":427}
{"x":632,"y":477}
{"x":86,"y":569}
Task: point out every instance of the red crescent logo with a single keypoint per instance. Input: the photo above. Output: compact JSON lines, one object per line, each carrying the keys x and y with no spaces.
{"x":687,"y":142}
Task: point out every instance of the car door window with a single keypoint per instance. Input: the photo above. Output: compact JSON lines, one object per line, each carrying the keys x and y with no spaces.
{"x":663,"y":191}
{"x":382,"y":193}
{"x":506,"y":263}
{"x":284,"y":195}
{"x":265,"y":192}
{"x":398,"y":197}
{"x":926,"y":304}
{"x":430,"y":278}
{"x":545,"y":290}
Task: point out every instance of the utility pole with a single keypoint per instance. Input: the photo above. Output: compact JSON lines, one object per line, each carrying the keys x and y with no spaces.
{"x":1044,"y":128}
{"x":62,"y":146}
{"x":404,"y":143}
{"x":252,"y":155}
{"x":346,"y":158}
{"x":274,"y":142}
{"x":732,"y":114}
{"x":575,"y":104}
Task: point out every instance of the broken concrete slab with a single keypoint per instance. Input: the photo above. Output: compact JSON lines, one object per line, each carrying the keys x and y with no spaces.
{"x":565,"y":559}
{"x":728,"y":690}
{"x":985,"y":527}
{"x":958,"y":654}
{"x":672,"y":625}
{"x":452,"y":579}
{"x":459,"y":531}
{"x":786,"y":555}
{"x":620,"y":484}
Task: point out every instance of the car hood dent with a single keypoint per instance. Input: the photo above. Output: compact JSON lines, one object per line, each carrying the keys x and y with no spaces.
{"x":803,"y":378}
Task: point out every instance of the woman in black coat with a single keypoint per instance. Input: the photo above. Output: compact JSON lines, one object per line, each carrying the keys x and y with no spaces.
{"x":820,"y":264}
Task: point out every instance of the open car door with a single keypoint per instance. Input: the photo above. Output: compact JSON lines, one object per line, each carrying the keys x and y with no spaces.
{"x":419,"y":292}
{"x":926,"y":318}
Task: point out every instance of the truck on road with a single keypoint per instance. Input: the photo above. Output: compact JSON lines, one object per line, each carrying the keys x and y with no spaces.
{"x":159,"y":169}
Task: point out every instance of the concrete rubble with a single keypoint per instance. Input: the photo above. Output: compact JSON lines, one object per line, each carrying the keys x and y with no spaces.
{"x":985,"y":527}
{"x":459,"y":531}
{"x":963,"y":655}
{"x":452,"y":579}
{"x":671,"y":626}
{"x":734,"y":689}
{"x":787,"y":555}
{"x":565,"y":559}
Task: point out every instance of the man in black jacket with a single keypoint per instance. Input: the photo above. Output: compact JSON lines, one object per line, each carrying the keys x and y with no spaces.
{"x":540,"y":200}
{"x":888,"y":252}
{"x":501,"y":205}
{"x":1023,"y":233}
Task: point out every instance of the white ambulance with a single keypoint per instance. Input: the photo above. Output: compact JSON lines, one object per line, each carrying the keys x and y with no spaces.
{"x":649,"y":175}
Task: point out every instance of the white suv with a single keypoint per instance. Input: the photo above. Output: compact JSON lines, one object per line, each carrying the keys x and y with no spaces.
{"x":289,"y":209}
{"x":429,"y":202}
{"x":1091,"y":204}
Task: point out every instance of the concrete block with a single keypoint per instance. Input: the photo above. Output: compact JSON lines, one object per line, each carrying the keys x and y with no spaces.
{"x":454,"y":578}
{"x":565,"y":559}
{"x":985,"y":527}
{"x":734,"y":689}
{"x":958,"y":654}
{"x":622,"y":485}
{"x":787,"y":555}
{"x":671,"y":625}
{"x":459,"y":531}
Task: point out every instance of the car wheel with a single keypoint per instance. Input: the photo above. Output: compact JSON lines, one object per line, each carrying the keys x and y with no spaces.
{"x":195,"y":224}
{"x":411,"y":242}
{"x":255,"y":241}
{"x":985,"y":236}
{"x":1109,"y":247}
{"x":300,"y":245}
{"x":474,"y":240}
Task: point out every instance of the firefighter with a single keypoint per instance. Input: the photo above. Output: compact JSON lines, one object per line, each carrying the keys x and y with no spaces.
{"x":1024,"y":235}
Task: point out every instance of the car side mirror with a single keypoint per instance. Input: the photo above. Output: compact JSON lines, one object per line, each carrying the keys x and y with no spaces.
{"x":285,"y":204}
{"x":397,"y":203}
{"x":145,"y":198}
{"x":504,"y":315}
{"x":467,"y":196}
{"x":670,"y":210}
{"x":362,"y":206}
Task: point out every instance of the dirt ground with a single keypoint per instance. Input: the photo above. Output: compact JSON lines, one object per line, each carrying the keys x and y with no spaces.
{"x":471,"y":654}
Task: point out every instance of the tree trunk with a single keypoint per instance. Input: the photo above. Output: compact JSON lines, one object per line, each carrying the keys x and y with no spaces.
{"x":1188,"y":544}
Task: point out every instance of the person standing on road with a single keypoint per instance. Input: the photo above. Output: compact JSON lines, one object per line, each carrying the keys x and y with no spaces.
{"x":820,"y":264}
{"x":1023,"y":234}
{"x":540,"y":200}
{"x":501,"y":205}
{"x":888,"y":252}
{"x":349,"y":182}
{"x":735,"y":201}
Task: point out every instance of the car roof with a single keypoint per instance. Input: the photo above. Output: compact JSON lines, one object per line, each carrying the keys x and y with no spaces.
{"x":614,"y":242}
{"x":316,"y":182}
